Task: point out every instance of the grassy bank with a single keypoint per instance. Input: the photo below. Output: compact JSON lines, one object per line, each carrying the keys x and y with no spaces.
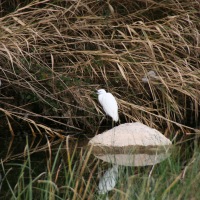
{"x":71,"y":173}
{"x":53,"y":55}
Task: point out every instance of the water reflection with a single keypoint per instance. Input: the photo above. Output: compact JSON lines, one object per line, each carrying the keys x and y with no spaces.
{"x":74,"y":159}
{"x":134,"y":159}
{"x":108,"y":181}
{"x":14,"y":154}
{"x":12,"y":148}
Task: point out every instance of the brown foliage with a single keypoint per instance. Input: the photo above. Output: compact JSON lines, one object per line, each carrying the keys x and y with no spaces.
{"x":54,"y":56}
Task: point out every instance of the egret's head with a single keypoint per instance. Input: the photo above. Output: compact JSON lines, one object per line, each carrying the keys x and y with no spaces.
{"x":101,"y":91}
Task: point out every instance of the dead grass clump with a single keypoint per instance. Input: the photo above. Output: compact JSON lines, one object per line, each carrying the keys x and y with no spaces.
{"x":54,"y":56}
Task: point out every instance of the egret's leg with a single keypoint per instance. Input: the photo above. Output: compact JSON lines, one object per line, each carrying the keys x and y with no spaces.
{"x":115,"y":123}
{"x":100,"y":123}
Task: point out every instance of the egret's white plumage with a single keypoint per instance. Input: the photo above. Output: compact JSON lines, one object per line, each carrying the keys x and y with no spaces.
{"x":109,"y":104}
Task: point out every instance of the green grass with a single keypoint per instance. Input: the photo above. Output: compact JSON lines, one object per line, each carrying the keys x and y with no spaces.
{"x":73,"y":173}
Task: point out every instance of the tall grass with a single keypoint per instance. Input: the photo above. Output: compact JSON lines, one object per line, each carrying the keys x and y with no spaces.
{"x":72,"y":173}
{"x":53,"y":55}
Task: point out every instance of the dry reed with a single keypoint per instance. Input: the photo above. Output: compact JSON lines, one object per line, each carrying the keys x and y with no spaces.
{"x":54,"y":55}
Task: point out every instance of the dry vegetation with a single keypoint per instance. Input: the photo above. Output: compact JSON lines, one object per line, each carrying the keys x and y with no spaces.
{"x":54,"y":54}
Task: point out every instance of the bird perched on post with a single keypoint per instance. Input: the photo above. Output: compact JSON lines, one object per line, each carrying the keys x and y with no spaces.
{"x":109,"y":104}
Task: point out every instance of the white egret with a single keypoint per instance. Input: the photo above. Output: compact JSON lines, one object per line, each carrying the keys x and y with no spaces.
{"x":109,"y":104}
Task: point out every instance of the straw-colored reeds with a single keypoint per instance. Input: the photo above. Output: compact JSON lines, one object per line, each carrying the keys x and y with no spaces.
{"x":54,"y":55}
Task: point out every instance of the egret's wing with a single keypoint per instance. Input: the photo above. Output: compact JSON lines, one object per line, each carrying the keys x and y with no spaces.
{"x":109,"y":102}
{"x":109,"y":105}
